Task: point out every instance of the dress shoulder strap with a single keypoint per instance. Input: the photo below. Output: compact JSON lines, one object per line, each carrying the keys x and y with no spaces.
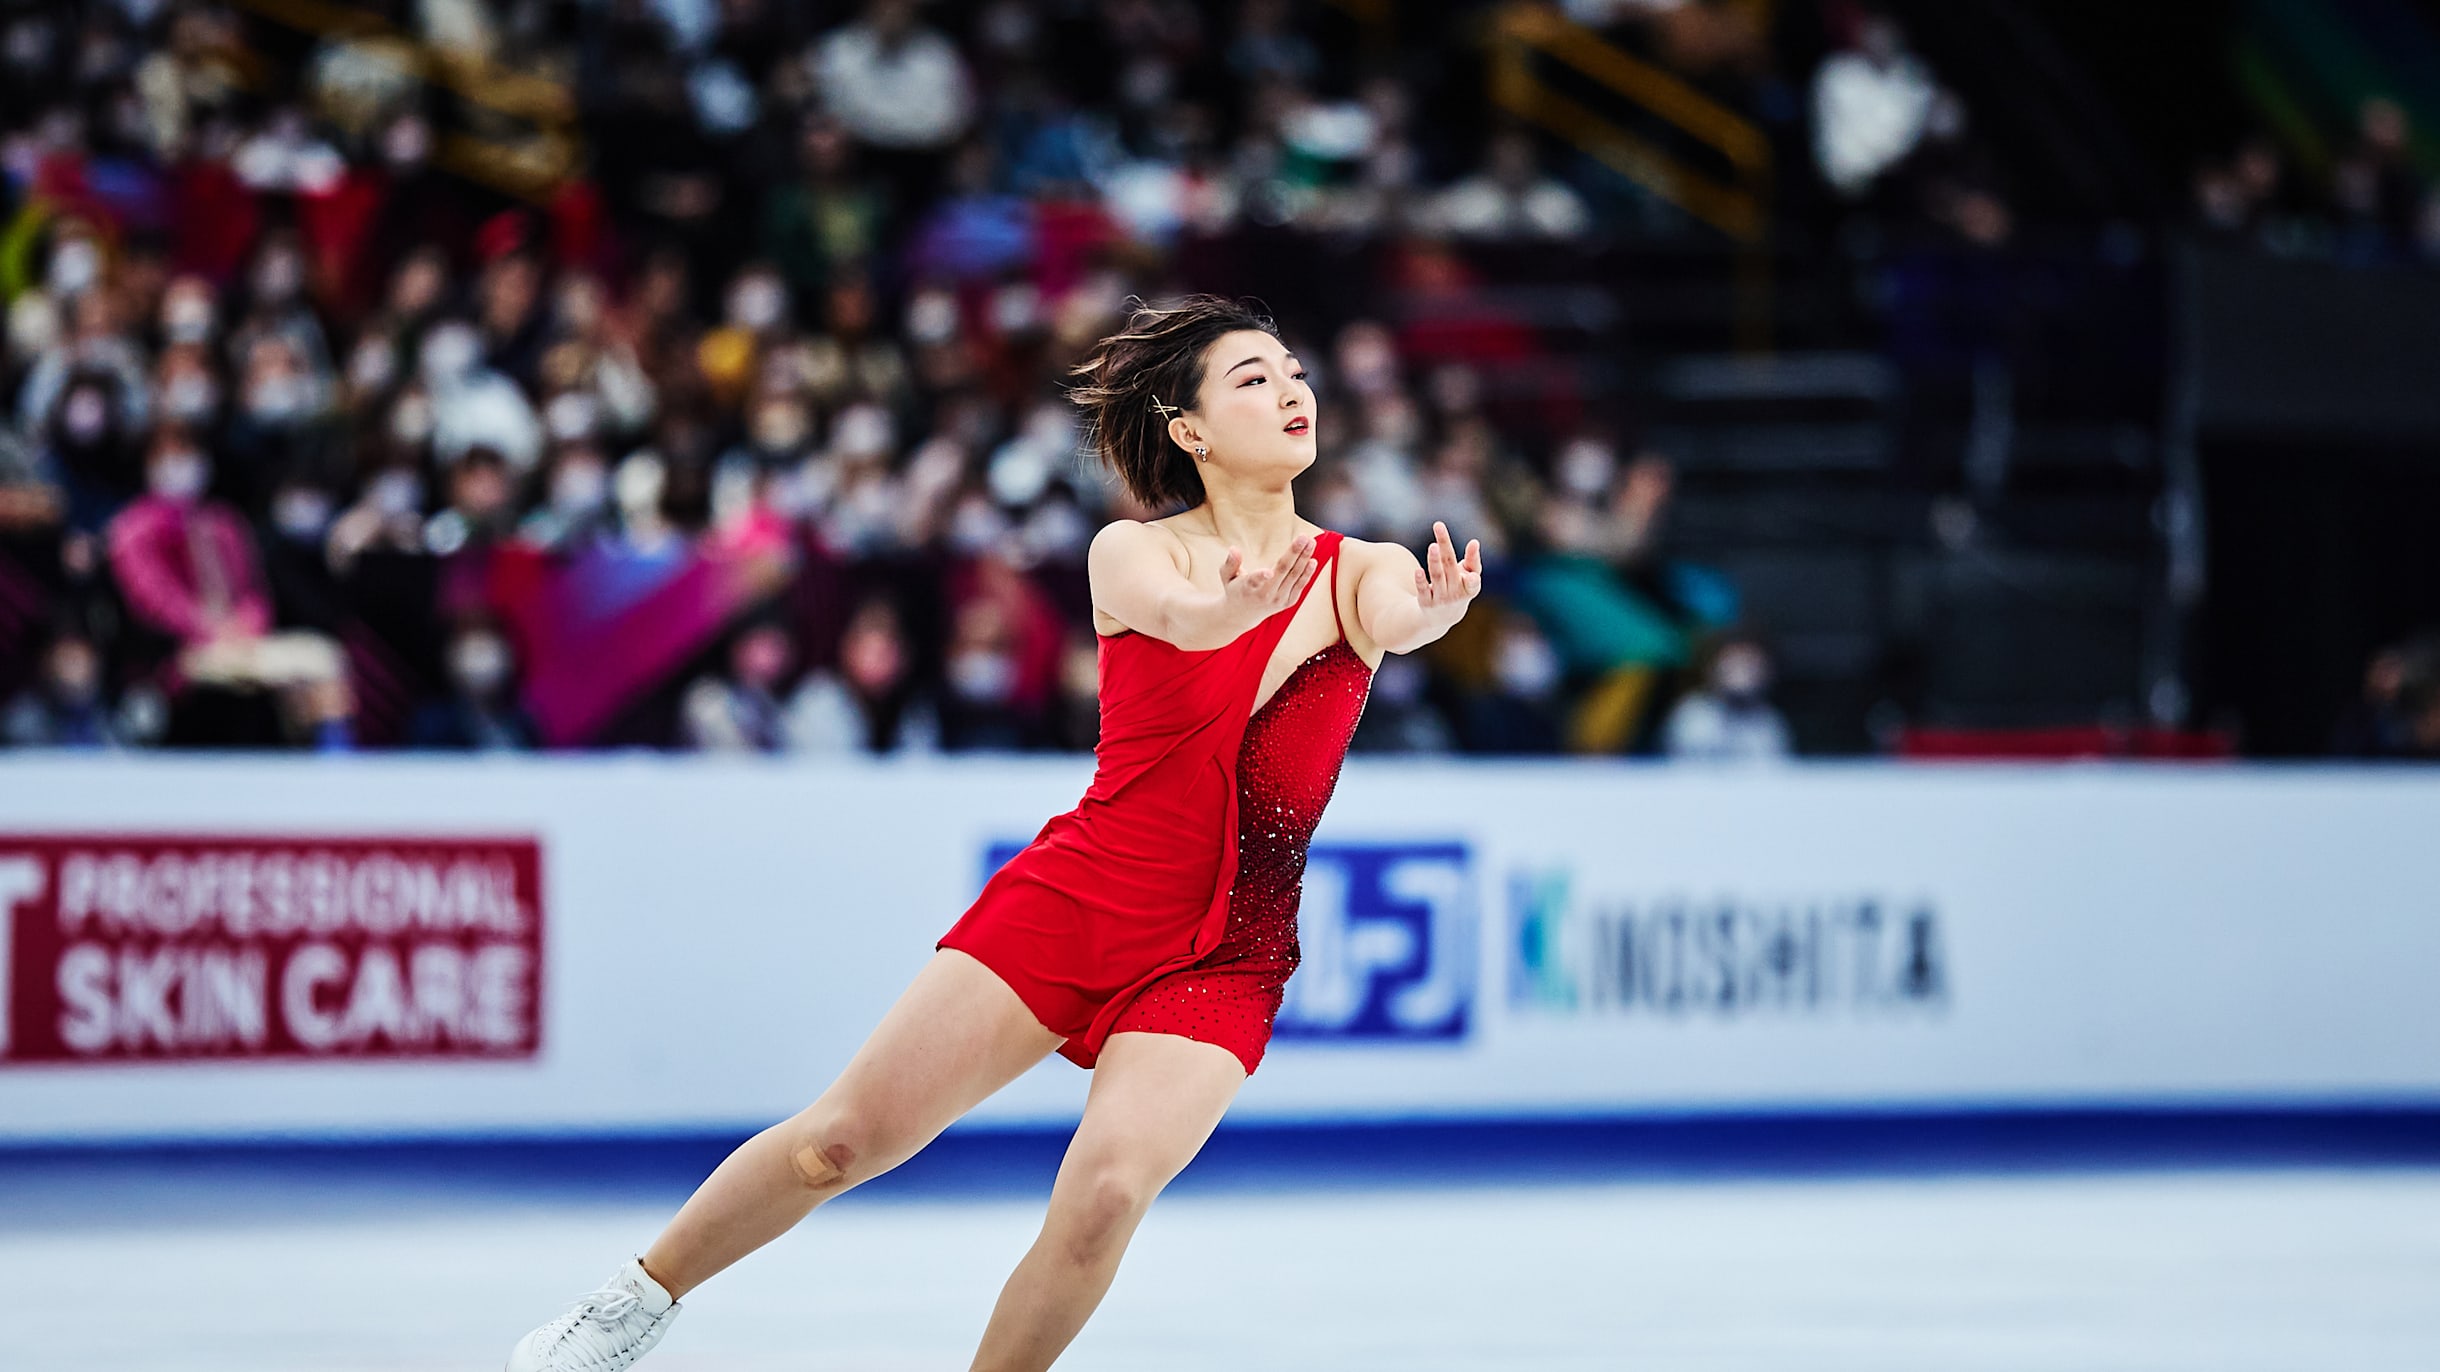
{"x":1338,"y":543}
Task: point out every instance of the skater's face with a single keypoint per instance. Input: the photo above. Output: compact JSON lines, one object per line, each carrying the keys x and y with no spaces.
{"x":1254,"y":412}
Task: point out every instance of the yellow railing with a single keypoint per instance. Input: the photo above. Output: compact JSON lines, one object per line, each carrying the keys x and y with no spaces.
{"x":1737,"y":205}
{"x":530,"y":167}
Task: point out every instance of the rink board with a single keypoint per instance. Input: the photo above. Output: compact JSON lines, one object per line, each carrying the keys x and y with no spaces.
{"x":219,"y":949}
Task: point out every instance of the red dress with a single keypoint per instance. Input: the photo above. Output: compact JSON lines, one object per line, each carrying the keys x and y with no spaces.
{"x":1165,"y":902}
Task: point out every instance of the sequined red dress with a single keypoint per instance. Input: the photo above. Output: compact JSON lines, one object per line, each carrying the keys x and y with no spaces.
{"x":1166,"y":900}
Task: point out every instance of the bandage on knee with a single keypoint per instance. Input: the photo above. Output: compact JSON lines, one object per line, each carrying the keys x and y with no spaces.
{"x":819,"y":1166}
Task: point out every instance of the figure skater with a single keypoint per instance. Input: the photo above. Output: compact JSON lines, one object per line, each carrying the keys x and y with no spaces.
{"x":1147,"y":933}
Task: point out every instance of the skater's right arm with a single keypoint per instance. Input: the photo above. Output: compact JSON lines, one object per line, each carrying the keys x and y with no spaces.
{"x":1142,"y":581}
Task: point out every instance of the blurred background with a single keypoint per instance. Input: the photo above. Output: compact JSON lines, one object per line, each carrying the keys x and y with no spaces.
{"x":1822,"y":377}
{"x":1878,"y":385}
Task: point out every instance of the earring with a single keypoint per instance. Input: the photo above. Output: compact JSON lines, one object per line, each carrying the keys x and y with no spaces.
{"x":1200,"y":452}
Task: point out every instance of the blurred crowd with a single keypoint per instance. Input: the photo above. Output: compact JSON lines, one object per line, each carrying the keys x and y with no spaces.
{"x":2397,"y":716}
{"x":1891,"y":140}
{"x":2370,"y":201}
{"x":323,"y":431}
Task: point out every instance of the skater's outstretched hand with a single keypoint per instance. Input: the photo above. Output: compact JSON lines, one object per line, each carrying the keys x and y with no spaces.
{"x":1258,"y":594}
{"x":1144,"y":578}
{"x":1403,"y":604}
{"x":1446,"y":583}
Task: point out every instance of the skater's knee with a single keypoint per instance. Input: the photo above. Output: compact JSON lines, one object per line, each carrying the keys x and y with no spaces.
{"x":839,"y":1143}
{"x":1106,"y":1207}
{"x":820,"y":1164}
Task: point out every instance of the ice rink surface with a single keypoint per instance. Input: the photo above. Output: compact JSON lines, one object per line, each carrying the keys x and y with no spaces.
{"x":2215,"y":1271}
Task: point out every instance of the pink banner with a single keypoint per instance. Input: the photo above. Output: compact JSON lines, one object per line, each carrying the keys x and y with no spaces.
{"x":148,"y":947}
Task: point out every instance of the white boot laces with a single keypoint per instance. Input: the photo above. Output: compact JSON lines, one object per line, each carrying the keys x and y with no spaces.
{"x":598,"y":1315}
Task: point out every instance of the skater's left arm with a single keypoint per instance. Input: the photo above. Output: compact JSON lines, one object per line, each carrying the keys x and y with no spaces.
{"x":1403,"y":604}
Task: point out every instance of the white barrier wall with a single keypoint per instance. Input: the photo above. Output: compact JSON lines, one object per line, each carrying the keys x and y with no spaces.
{"x":366,"y":947}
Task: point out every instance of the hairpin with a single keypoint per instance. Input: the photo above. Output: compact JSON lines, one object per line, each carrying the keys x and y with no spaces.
{"x":1166,"y":410}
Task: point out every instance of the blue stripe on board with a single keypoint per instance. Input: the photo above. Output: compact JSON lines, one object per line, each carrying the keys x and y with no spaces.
{"x":990,"y":1160}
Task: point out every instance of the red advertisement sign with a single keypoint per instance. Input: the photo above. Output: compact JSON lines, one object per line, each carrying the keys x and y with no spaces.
{"x":128,"y":947}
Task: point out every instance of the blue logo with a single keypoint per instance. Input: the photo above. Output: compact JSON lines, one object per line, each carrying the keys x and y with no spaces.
{"x":1388,"y":938}
{"x":1387,"y":931}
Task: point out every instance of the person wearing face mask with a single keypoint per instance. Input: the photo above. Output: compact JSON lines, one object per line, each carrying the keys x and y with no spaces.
{"x":278,"y":393}
{"x":188,"y":391}
{"x":1729,"y":717}
{"x":576,"y":504}
{"x":190,"y":312}
{"x":983,"y":710}
{"x":278,"y":308}
{"x":473,"y":405}
{"x":1518,"y":711}
{"x":273,"y":427}
{"x":191,"y":572}
{"x":295,"y":537}
{"x":86,"y":443}
{"x":1026,"y":633}
{"x":95,"y":351}
{"x":481,"y":712}
{"x":186,"y":562}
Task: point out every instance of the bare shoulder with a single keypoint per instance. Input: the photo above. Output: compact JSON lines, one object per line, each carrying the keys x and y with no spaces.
{"x":1129,"y":540}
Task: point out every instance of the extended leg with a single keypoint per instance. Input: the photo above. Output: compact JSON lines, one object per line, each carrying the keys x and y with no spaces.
{"x":957,"y":1035}
{"x":1155,"y":1099}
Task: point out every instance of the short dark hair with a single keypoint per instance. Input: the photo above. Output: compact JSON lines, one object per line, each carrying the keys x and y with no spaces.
{"x":1157,"y":355}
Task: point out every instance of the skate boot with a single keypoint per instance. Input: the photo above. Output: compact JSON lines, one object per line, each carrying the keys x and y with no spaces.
{"x":605,"y":1331}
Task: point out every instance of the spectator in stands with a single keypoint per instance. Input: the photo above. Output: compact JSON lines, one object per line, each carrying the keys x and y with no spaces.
{"x":1510,"y":199}
{"x":473,"y":405}
{"x":576,"y":508}
{"x":1590,"y":577}
{"x":481,"y":712}
{"x":1521,"y":710}
{"x":2375,"y":185}
{"x":30,"y":498}
{"x":482,"y":493}
{"x":95,"y":350}
{"x":2243,"y":197}
{"x":190,"y":570}
{"x":812,"y":290}
{"x":1729,"y":717}
{"x":899,"y":87}
{"x":2393,"y":718}
{"x":741,"y":711}
{"x":187,"y":562}
{"x":64,"y":707}
{"x":1267,"y":47}
{"x":872,"y":704}
{"x":984,"y":707}
{"x":88,"y":400}
{"x":1874,"y":104}
{"x":830,"y":220}
{"x":1399,"y":716}
{"x":1075,"y":724}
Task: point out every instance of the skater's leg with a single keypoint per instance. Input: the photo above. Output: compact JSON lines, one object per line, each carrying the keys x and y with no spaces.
{"x":1155,"y":1099}
{"x":957,"y":1035}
